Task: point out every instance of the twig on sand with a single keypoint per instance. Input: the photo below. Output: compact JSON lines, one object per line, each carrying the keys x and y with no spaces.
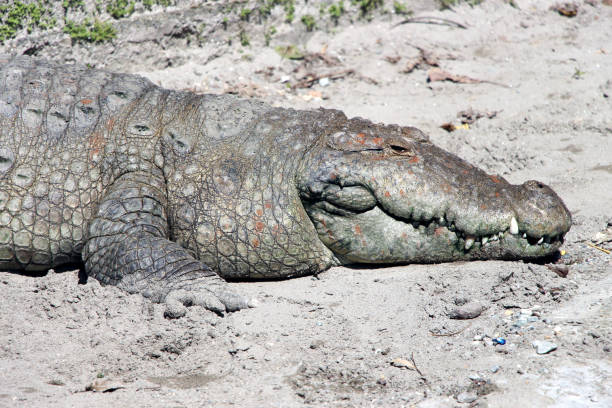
{"x":437,"y":74}
{"x":599,"y":248}
{"x":309,"y":79}
{"x":416,"y":368}
{"x":431,"y":20}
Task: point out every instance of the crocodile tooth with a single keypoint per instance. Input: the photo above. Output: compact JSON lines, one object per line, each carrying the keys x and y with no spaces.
{"x":524,"y":235}
{"x":500,"y":234}
{"x":540,"y":240}
{"x":514,"y":226}
{"x":493,"y":237}
{"x":469,"y":241}
{"x":485,"y":240}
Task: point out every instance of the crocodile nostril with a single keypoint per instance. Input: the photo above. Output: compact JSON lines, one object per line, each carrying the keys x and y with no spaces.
{"x":539,"y":185}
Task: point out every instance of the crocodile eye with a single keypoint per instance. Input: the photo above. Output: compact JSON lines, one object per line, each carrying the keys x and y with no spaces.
{"x":398,"y":149}
{"x":402,"y":150}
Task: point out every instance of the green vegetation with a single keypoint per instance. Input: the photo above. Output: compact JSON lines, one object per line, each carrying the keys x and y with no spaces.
{"x":148,"y":4}
{"x":401,"y":9}
{"x":446,"y":4}
{"x":289,"y":51}
{"x":309,"y":21}
{"x":245,"y":13}
{"x":73,"y":4}
{"x":367,"y":6}
{"x":336,"y":11}
{"x":120,"y":8}
{"x":289,"y":6}
{"x":19,"y":15}
{"x":268,"y":34}
{"x":244,"y":39}
{"x":95,"y":32}
{"x":85,"y":20}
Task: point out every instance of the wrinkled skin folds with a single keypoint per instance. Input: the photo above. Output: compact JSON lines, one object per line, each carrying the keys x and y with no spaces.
{"x":166,"y":193}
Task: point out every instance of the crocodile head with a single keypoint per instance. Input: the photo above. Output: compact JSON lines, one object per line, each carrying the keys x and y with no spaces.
{"x":384,"y":194}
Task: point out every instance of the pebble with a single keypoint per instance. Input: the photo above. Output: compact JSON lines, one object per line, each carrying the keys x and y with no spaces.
{"x":495,"y":369}
{"x":324,"y":81}
{"x":543,"y":346}
{"x":466,"y":397}
{"x":285,"y":78}
{"x":467,"y":311}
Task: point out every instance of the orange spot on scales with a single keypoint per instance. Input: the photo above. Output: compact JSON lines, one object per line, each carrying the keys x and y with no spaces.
{"x":259,"y":226}
{"x":255,"y":242}
{"x":268,"y":204}
{"x":439,"y":231}
{"x":361,"y":138}
{"x":357,"y":230}
{"x":414,"y":159}
{"x":86,"y":101}
{"x":494,"y":178}
{"x":259,"y":212}
{"x":387,"y":194}
{"x":378,"y":140}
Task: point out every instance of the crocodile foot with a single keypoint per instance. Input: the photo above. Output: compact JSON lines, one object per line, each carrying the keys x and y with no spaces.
{"x":220,"y":300}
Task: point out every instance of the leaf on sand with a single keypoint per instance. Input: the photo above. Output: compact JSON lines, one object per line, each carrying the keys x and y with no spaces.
{"x":403,"y":363}
{"x":566,"y":9}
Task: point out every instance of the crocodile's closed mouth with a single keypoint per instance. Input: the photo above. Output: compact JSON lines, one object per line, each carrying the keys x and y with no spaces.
{"x":467,"y":243}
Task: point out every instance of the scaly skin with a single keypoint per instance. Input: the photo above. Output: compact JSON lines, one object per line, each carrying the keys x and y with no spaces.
{"x":165,"y":193}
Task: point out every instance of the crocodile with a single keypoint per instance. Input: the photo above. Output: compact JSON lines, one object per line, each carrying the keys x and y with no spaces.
{"x":171,"y":194}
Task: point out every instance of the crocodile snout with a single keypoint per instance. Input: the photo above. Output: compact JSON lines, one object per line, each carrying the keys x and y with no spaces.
{"x":540,"y":211}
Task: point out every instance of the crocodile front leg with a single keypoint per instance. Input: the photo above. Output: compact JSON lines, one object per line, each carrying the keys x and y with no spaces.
{"x":128,"y":246}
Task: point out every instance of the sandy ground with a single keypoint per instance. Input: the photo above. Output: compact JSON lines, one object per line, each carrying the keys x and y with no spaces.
{"x":369,"y":337}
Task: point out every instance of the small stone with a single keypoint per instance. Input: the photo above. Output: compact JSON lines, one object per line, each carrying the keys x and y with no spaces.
{"x":285,"y":78}
{"x":316,"y":344}
{"x":544,"y":347}
{"x":466,"y":397}
{"x":478,"y":337}
{"x":104,"y":385}
{"x":560,"y":270}
{"x":467,"y":311}
{"x":495,"y":369}
{"x":324,"y":81}
{"x":505,"y":275}
{"x":594,"y":334}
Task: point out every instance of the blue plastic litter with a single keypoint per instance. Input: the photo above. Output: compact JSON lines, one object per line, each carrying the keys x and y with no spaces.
{"x":499,"y":340}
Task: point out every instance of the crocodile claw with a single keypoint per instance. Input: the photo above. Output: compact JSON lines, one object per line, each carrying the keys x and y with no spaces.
{"x":219,"y":302}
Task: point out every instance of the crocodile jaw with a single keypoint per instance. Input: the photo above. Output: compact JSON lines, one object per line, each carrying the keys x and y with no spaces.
{"x":375,"y":237}
{"x":386,"y":195}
